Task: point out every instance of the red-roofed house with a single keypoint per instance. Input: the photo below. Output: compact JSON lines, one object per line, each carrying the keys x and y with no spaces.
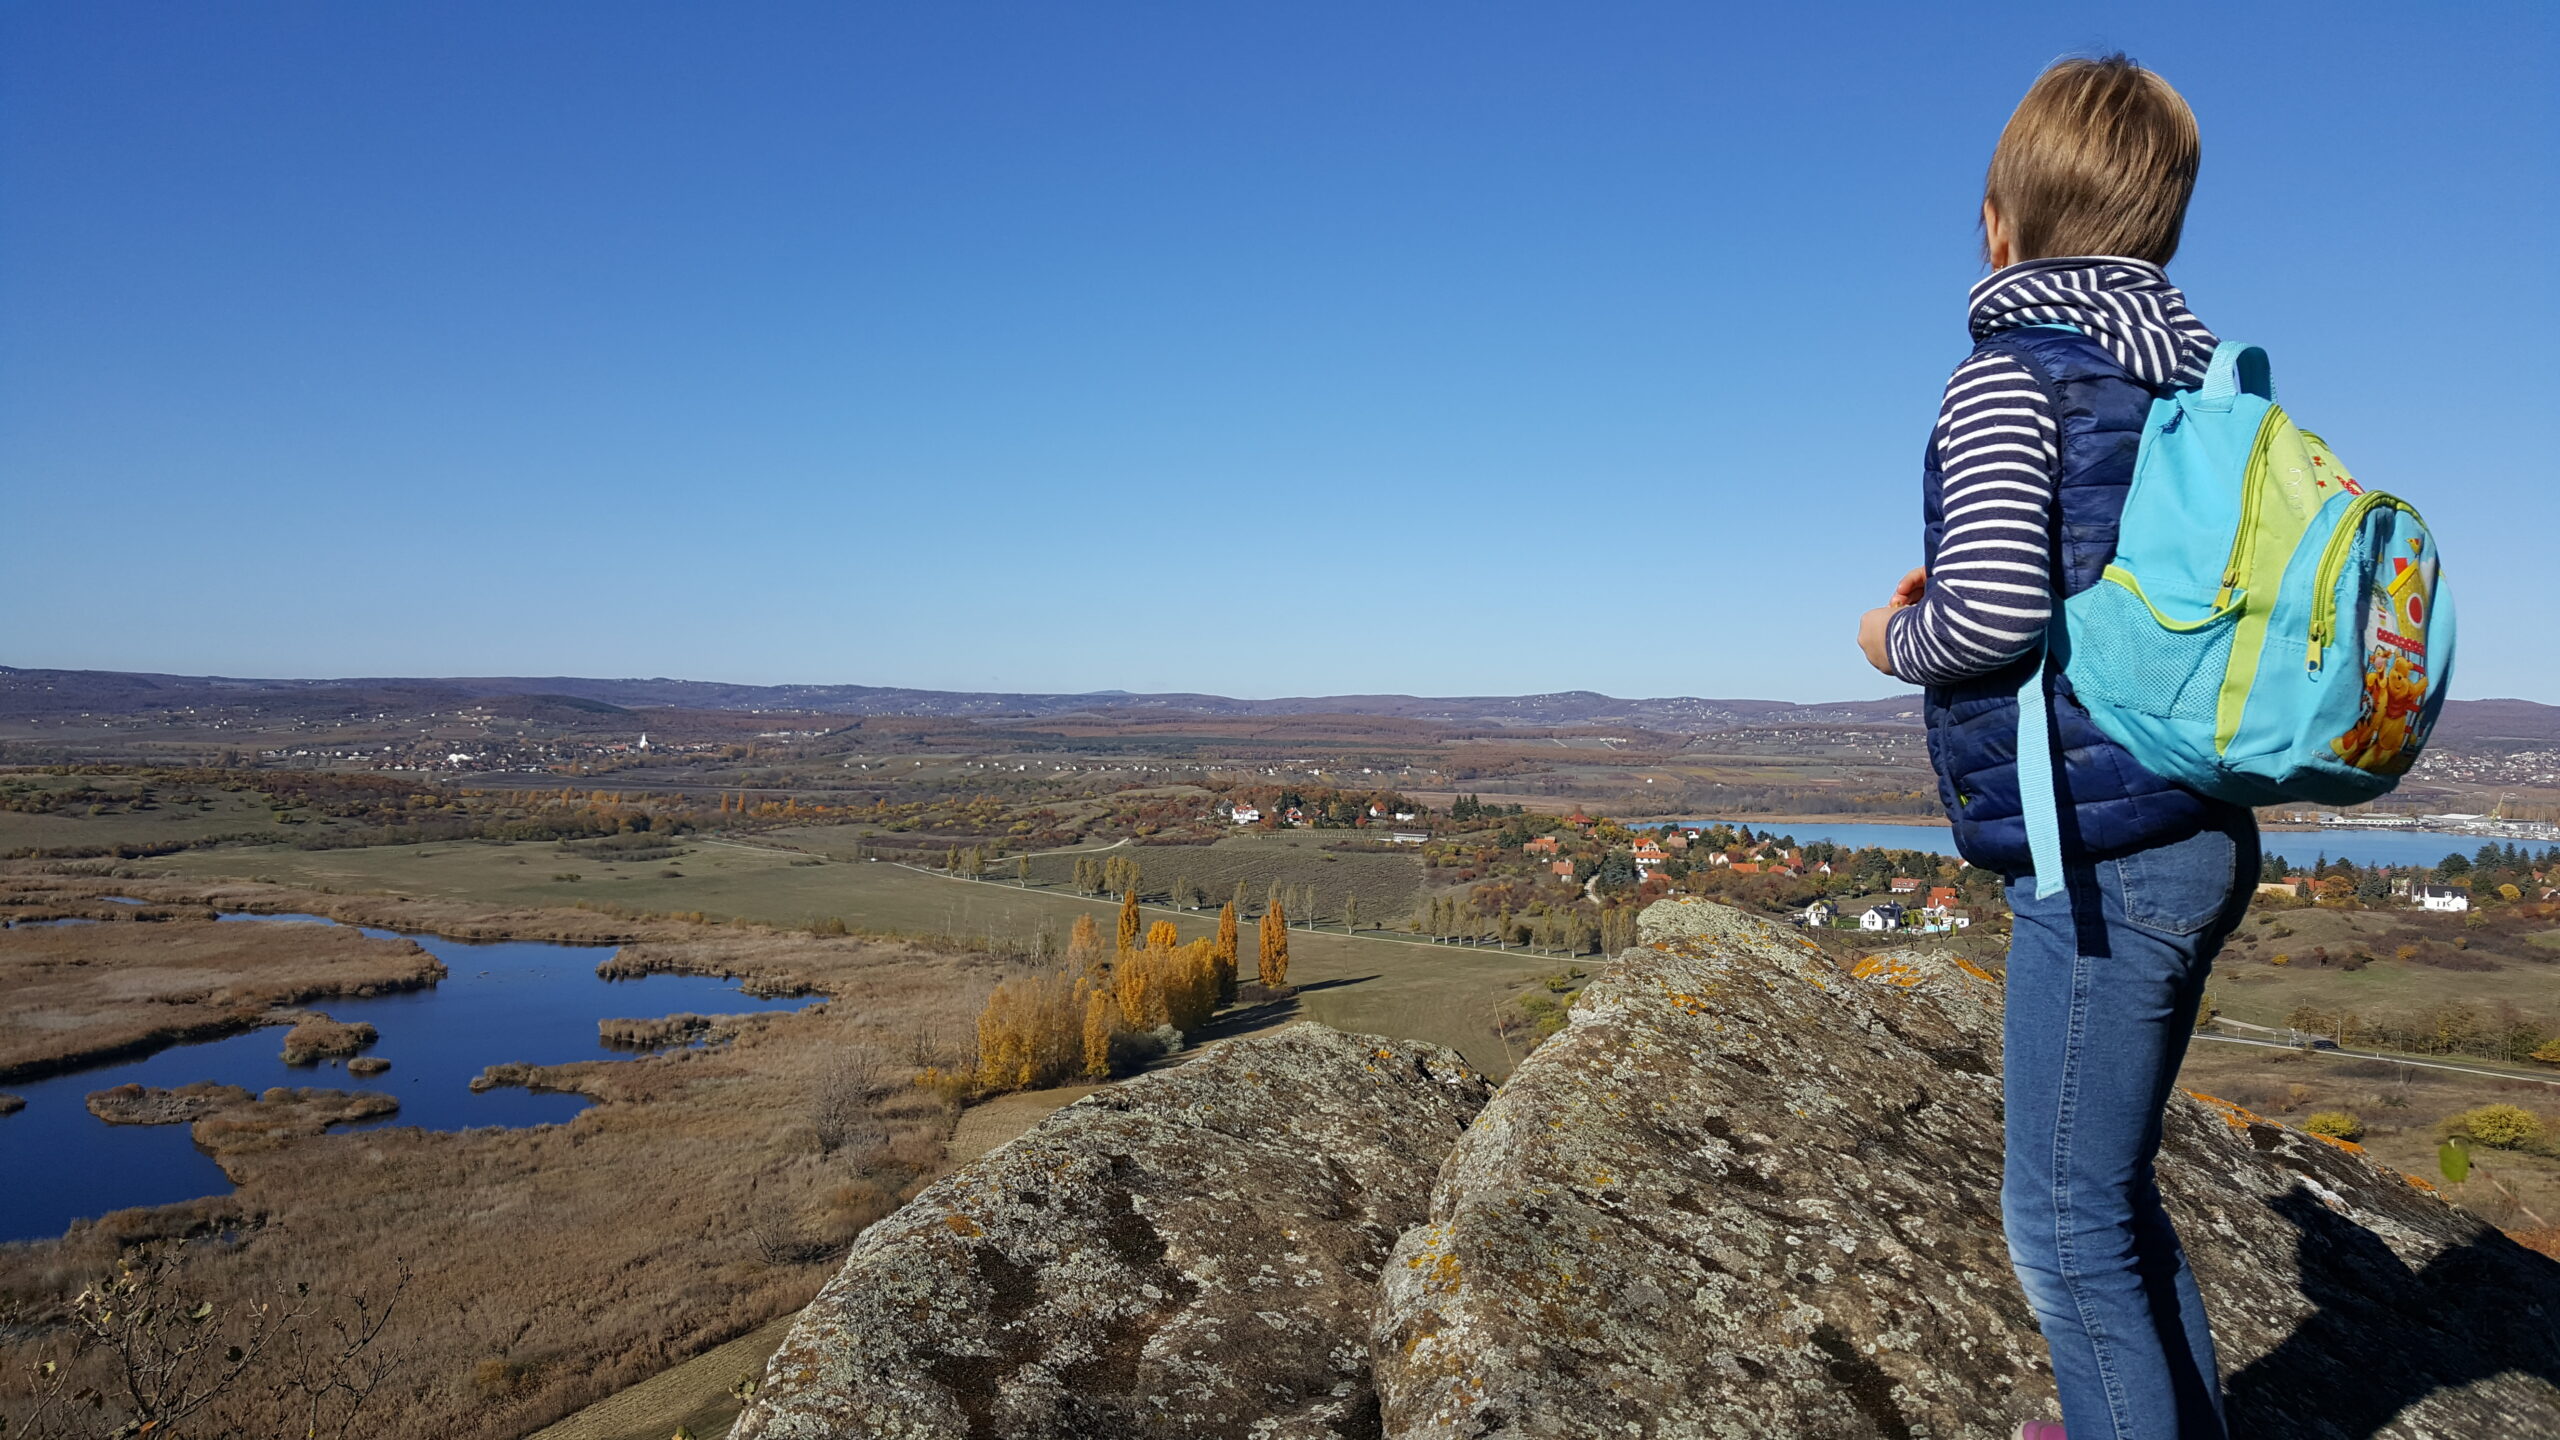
{"x":1543,"y":845}
{"x":1904,"y":885}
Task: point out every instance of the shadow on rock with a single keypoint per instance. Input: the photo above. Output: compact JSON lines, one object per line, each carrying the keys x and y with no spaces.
{"x":2385,"y":1337}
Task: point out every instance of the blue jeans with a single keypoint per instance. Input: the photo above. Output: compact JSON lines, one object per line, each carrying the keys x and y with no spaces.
{"x":2102,"y":996}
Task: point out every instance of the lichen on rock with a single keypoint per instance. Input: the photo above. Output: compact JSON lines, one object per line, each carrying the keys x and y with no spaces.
{"x":1193,"y":1253}
{"x":1749,"y":1192}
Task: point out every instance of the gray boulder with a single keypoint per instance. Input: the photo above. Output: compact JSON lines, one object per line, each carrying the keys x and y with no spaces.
{"x":1750,"y":1193}
{"x":1192,"y":1254}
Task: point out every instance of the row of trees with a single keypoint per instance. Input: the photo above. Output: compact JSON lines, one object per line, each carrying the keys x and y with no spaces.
{"x":2450,"y":1029}
{"x":2495,"y":874}
{"x":1108,"y":875}
{"x":1104,"y":1007}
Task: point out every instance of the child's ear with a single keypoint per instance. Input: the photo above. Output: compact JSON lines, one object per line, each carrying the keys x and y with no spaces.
{"x":1998,"y":246}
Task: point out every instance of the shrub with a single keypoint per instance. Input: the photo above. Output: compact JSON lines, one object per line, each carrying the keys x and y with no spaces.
{"x":498,"y":1379}
{"x":2336,"y":1124}
{"x":2501,"y":1127}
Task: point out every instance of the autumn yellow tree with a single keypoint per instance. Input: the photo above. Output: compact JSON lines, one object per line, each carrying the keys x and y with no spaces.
{"x":1102,"y":1021}
{"x":1138,"y":984}
{"x":1030,"y":1033}
{"x":1191,"y":984}
{"x":1085,"y":955}
{"x":1272,"y":961}
{"x":1227,"y":952}
{"x":1128,"y":922}
{"x":1163,"y":935}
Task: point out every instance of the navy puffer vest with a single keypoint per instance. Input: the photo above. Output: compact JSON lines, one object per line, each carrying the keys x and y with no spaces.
{"x":2111,"y":804}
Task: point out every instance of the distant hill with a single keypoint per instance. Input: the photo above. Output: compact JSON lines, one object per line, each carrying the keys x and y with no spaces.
{"x":52,"y":693}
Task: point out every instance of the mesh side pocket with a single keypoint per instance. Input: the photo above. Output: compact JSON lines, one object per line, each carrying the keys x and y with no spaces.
{"x":2122,"y":656}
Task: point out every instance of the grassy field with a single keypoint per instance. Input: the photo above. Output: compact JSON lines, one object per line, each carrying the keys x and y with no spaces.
{"x":1385,"y":884}
{"x":160,"y":819}
{"x":1382,"y":986}
{"x":2509,"y":961}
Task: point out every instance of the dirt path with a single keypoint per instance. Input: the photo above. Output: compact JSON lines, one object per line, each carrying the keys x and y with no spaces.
{"x":695,"y":1395}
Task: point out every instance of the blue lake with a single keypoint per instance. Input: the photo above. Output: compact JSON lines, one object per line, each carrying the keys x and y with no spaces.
{"x":523,"y":1001}
{"x":2298,"y":847}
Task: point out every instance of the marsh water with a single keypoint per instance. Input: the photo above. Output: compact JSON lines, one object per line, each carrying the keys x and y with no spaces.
{"x":517,"y":1000}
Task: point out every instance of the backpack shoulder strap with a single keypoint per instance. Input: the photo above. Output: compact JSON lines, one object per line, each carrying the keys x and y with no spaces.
{"x":2039,"y":804}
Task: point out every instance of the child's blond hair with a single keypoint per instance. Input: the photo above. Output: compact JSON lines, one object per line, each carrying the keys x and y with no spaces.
{"x":2099,"y":159}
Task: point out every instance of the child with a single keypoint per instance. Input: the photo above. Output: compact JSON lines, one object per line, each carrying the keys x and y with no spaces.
{"x":2026,"y":475}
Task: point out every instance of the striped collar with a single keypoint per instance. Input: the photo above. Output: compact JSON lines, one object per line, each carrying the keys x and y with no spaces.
{"x":2126,"y":305}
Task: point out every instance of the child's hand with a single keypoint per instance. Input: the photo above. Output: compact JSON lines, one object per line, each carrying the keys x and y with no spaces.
{"x":1911,"y":587}
{"x":1871,"y":628}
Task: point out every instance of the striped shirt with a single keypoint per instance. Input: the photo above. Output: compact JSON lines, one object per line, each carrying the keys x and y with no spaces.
{"x":1990,"y":588}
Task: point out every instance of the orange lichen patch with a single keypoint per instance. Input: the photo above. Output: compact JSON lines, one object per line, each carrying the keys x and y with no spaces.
{"x":1443,"y":1266}
{"x":1893,"y":970}
{"x":1976,"y":971}
{"x":2349,"y":1146}
{"x":2419,"y":1182}
{"x":1684,"y":1000}
{"x":963,"y":1225}
{"x":2232,"y":1115}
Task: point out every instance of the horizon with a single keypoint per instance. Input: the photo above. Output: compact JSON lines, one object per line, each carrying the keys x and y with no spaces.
{"x":457,"y":679}
{"x":1455,"y":351}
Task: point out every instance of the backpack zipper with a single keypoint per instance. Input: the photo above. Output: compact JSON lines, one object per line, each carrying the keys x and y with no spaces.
{"x":2333,"y":562}
{"x":2253,"y":480}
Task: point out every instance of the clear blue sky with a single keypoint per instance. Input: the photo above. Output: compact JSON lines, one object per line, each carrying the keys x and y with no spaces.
{"x":1448,"y":348}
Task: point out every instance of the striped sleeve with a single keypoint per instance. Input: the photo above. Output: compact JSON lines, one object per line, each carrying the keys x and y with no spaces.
{"x":1990,"y":584}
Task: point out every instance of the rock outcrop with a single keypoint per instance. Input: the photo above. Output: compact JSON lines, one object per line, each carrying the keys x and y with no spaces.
{"x":1749,"y":1193}
{"x":1194,"y":1253}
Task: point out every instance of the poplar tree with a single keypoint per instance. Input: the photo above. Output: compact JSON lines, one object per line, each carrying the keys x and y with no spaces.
{"x":1102,"y":1021}
{"x":1085,"y":954}
{"x":1226,"y":953}
{"x":1163,"y":935}
{"x":1272,"y":961}
{"x":1128,"y":924}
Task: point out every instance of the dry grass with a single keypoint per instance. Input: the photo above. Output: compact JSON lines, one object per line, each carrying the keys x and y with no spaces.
{"x":76,"y":994}
{"x":707,"y":1191}
{"x":320,"y":1038}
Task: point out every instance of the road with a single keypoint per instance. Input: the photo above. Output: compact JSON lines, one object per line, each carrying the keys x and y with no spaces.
{"x":2385,"y":1057}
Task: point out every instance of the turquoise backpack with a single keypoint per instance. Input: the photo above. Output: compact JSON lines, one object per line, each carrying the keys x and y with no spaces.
{"x":2271,"y":630}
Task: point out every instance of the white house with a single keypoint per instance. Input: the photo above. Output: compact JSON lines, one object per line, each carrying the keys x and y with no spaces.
{"x":2443,"y":897}
{"x":1247,"y":815}
{"x":1820,"y":912}
{"x":1881,"y":917}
